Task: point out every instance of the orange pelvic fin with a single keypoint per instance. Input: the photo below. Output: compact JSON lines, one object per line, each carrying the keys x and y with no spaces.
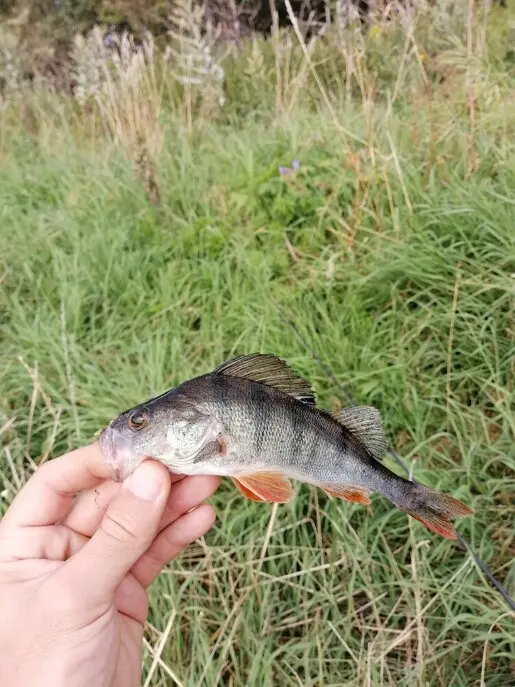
{"x":266,"y":486}
{"x":246,"y":492}
{"x":353,"y":494}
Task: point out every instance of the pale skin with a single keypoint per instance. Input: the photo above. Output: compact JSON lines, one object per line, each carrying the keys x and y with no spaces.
{"x":74,"y":573}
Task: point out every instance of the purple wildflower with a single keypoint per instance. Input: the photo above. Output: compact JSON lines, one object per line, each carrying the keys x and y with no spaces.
{"x":286,"y":171}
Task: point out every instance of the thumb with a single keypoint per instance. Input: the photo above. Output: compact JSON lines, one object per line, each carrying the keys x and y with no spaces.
{"x":127,"y":530}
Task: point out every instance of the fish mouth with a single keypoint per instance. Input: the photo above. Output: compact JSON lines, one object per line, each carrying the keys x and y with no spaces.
{"x":117,"y":454}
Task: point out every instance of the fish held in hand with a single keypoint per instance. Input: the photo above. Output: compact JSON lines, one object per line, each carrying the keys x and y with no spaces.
{"x":255,"y":420}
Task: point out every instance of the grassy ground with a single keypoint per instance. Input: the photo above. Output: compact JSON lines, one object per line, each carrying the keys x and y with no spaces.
{"x":392,"y":249}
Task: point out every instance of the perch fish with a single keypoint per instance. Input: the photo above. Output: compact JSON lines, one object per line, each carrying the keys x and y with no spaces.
{"x":255,"y":420}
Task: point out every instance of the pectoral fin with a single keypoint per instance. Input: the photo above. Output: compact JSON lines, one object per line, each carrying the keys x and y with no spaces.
{"x":218,"y":447}
{"x":265,"y":486}
{"x":353,"y":494}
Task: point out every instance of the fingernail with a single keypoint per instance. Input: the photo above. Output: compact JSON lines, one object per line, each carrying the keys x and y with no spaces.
{"x":145,"y":482}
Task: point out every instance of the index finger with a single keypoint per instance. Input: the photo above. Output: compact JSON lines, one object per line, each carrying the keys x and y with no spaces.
{"x":47,"y":496}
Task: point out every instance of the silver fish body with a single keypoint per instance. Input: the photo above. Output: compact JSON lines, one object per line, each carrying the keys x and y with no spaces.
{"x":267,"y":430}
{"x":256,"y":421}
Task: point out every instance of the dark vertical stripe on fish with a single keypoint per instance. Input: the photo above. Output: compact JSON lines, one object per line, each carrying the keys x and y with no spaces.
{"x":261,"y":402}
{"x":296,"y":447}
{"x":219,"y":390}
{"x":312,"y":442}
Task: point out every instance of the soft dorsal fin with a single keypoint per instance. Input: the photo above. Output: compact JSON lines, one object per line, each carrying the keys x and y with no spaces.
{"x":365,"y":423}
{"x":270,"y":370}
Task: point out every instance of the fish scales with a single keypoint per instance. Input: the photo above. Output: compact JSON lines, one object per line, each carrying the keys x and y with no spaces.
{"x":255,"y":420}
{"x":259,"y":422}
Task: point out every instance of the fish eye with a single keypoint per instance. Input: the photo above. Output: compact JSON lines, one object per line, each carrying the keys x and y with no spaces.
{"x":138,"y":419}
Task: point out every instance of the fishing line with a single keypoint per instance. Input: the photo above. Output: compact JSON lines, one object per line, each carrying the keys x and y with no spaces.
{"x":479,"y":561}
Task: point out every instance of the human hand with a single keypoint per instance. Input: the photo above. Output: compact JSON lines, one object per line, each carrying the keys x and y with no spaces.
{"x":73,"y":577}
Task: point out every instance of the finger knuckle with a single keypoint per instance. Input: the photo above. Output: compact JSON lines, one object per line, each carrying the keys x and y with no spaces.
{"x":116,"y":526}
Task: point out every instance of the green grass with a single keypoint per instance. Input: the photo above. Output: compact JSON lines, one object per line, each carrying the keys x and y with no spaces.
{"x":400,"y":272}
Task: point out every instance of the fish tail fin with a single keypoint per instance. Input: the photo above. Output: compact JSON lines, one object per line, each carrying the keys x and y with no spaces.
{"x":437,"y":511}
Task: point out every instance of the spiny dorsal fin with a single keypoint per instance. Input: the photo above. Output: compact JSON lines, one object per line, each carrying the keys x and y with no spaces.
{"x":365,"y":423}
{"x":270,"y":370}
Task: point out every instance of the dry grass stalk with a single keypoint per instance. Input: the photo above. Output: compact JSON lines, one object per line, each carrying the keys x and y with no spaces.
{"x":121,"y":77}
{"x":195,"y":61}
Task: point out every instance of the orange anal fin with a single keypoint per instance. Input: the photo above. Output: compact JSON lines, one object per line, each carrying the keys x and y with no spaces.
{"x":246,"y":492}
{"x":267,"y":486}
{"x":353,"y":494}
